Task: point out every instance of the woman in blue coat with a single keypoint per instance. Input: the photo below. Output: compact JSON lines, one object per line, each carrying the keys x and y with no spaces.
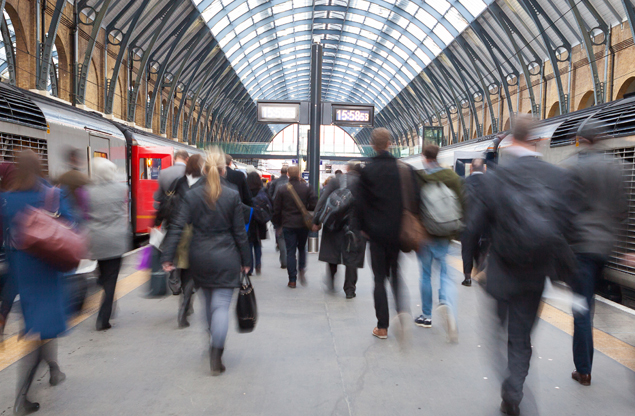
{"x":41,"y":287}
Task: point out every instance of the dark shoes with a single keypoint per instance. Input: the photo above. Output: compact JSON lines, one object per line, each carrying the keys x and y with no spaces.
{"x":100,"y":326}
{"x":584,"y":379}
{"x":25,"y":407}
{"x":302,"y":277}
{"x":57,"y":376}
{"x":467,"y":282}
{"x":215,"y":362}
{"x":423,"y":322}
{"x":510,"y":409}
{"x":292,"y":285}
{"x":350,"y":295}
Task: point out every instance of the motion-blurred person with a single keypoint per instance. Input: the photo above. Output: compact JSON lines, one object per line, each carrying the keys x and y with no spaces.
{"x":8,"y":289}
{"x":219,"y":249}
{"x":108,"y":229}
{"x":166,"y":200}
{"x":344,"y":245}
{"x":473,"y":253}
{"x":379,"y":208}
{"x":191,"y":180}
{"x":288,"y":220}
{"x":275,"y":185}
{"x":525,"y":206}
{"x":73,"y":181}
{"x":238,"y":178}
{"x":442,"y":193}
{"x":40,"y":285}
{"x":602,"y":207}
{"x":258,"y":227}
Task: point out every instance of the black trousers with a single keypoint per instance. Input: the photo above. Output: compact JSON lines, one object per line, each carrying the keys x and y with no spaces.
{"x":384,"y":259}
{"x":350,"y":278}
{"x":108,"y":273}
{"x":519,"y":312}
{"x":478,"y":256}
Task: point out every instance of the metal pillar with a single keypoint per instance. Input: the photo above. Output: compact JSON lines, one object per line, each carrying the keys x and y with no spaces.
{"x":317,"y":51}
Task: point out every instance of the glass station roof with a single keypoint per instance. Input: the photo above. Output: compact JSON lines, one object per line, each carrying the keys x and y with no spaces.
{"x":372,"y":49}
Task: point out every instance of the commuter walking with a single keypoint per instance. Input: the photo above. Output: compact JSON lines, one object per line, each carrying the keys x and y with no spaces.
{"x":602,"y":207}
{"x":526,"y":208}
{"x":73,"y":181}
{"x":473,"y":253}
{"x":8,"y":289}
{"x":41,"y":286}
{"x":109,"y":230}
{"x":289,"y":210}
{"x":192,"y":179}
{"x":258,"y":227}
{"x":441,"y":202}
{"x":219,"y":249}
{"x":379,"y":208}
{"x":238,"y":179}
{"x":166,"y":200}
{"x":342,"y":243}
{"x":275,"y":185}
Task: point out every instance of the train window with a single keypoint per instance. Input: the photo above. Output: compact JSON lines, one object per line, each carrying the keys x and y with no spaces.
{"x":149,"y":168}
{"x":100,"y":154}
{"x":11,"y":145}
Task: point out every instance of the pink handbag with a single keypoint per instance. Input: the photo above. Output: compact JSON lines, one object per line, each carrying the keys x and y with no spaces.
{"x":42,"y":233}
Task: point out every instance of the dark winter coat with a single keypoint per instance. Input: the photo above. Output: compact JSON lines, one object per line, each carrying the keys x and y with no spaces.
{"x":285,"y":211}
{"x":379,"y":204}
{"x":276,"y":185}
{"x":219,"y":244}
{"x":41,"y":287}
{"x":336,"y":246}
{"x":238,"y":178}
{"x":257,"y":231}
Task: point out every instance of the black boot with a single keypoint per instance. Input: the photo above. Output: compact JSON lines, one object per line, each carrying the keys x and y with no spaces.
{"x":56,"y":374}
{"x":186,"y":304}
{"x":215,"y":363}
{"x":468,"y":280}
{"x":22,"y":405}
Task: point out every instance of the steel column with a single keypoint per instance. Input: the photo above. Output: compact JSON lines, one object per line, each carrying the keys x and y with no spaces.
{"x":317,"y":51}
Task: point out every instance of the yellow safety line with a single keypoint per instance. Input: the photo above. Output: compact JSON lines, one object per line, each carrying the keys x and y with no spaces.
{"x":607,"y":344}
{"x":12,"y":350}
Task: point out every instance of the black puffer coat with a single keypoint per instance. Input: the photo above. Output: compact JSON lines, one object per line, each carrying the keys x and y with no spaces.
{"x":219,"y":244}
{"x":337,"y":247}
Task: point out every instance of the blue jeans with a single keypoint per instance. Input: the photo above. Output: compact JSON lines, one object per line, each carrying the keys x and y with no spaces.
{"x":295,"y":238}
{"x":217,"y":303}
{"x":256,"y":251}
{"x":589,"y":272}
{"x":436,"y":249}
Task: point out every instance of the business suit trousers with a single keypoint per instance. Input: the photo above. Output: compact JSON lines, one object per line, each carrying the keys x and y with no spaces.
{"x":350,"y":278}
{"x":519,"y":312}
{"x":384,"y":259}
{"x":108,"y":274}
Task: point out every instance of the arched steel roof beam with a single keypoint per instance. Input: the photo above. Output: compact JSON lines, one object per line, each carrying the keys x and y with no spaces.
{"x":442,"y":86}
{"x":8,"y":47}
{"x":43,"y":56}
{"x":123,"y":46}
{"x":460,"y":70}
{"x":434,"y":91}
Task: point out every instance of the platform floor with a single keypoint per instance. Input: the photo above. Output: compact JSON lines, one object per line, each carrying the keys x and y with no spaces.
{"x":312,"y":353}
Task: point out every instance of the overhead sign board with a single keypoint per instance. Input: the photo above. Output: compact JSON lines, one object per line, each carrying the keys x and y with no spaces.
{"x":283,"y":112}
{"x":352,"y":115}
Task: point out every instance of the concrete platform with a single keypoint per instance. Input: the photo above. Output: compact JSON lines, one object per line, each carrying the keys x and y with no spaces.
{"x":312,"y":353}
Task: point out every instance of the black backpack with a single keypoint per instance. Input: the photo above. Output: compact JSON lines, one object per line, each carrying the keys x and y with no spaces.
{"x":527,"y":230}
{"x":263,"y":211}
{"x":338,"y":207}
{"x":168,"y":204}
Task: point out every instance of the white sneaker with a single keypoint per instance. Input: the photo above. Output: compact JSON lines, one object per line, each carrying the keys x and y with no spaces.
{"x":449,"y":323}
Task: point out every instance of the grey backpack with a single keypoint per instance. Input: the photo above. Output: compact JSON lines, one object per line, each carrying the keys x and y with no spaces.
{"x":440,"y":210}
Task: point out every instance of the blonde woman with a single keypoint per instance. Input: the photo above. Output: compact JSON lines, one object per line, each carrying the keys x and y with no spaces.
{"x":219,"y":249}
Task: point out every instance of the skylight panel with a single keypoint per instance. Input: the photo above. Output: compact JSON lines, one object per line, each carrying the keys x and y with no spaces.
{"x":238,"y":11}
{"x":354,"y":17}
{"x":434,"y":48}
{"x":212,"y":10}
{"x":249,"y":36}
{"x":359,"y":4}
{"x":402,"y":54}
{"x":443,"y":34}
{"x":364,"y":44}
{"x":373,"y":23}
{"x":370,"y":36}
{"x":394,"y":61}
{"x":233,"y":49}
{"x":440,"y":6}
{"x":407,"y":43}
{"x":283,"y":20}
{"x":426,"y":18}
{"x":409,"y":7}
{"x":218,"y":27}
{"x":282,"y":7}
{"x":456,"y":19}
{"x":226,"y":39}
{"x":244,"y":26}
{"x":355,"y":30}
{"x":422,"y":56}
{"x":475,"y":7}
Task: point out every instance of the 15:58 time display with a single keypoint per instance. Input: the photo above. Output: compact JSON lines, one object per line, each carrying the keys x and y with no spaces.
{"x":352,"y":115}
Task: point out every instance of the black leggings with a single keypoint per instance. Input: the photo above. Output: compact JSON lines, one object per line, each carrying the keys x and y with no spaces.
{"x":108,"y":273}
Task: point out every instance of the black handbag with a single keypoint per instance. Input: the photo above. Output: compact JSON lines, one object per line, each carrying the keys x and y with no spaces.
{"x":246,"y":308}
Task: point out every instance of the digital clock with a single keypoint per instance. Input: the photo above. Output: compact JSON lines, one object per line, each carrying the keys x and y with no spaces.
{"x":278,"y":112}
{"x":353,"y":115}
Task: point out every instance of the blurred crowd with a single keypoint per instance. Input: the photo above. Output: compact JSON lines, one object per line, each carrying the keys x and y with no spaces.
{"x":519,"y":219}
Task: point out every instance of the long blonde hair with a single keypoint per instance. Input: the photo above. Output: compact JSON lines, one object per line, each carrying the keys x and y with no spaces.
{"x":214,"y":166}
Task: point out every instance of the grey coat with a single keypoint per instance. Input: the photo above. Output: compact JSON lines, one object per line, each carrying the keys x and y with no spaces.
{"x":108,"y":224}
{"x":602,"y":204}
{"x":219,"y":244}
{"x":167,"y":177}
{"x":336,"y":248}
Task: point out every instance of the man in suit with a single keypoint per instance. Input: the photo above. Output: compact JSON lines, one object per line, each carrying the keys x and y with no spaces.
{"x":476,"y":251}
{"x":379,"y":208}
{"x":274,"y":187}
{"x":517,"y":286}
{"x":238,"y":179}
{"x":168,"y":176}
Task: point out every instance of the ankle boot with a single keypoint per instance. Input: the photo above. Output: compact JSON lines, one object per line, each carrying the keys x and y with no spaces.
{"x":56,"y":374}
{"x":215,"y":363}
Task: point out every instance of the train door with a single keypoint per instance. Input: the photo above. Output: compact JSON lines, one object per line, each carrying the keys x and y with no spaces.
{"x":97,"y":147}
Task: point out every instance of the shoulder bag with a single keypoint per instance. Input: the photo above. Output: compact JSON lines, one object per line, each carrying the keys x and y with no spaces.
{"x":42,"y":233}
{"x":307,"y":217}
{"x":412,"y":232}
{"x":246,"y":308}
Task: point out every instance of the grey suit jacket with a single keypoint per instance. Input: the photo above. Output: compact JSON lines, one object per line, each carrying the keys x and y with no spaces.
{"x":166,"y":178}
